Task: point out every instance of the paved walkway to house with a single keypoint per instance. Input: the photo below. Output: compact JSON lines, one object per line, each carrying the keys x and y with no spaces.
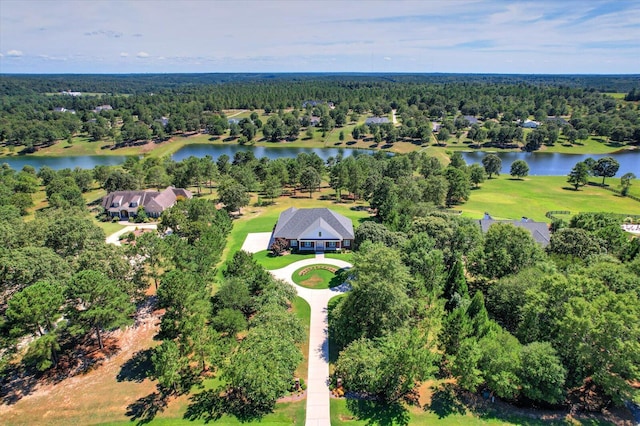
{"x":114,"y":238}
{"x":318,"y":394}
{"x":256,"y":241}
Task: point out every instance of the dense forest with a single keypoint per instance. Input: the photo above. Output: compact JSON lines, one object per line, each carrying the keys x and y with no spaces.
{"x":125,"y":109}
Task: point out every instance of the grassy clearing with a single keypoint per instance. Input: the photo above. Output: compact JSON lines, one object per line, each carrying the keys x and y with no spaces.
{"x":532,"y":197}
{"x":347,"y":257}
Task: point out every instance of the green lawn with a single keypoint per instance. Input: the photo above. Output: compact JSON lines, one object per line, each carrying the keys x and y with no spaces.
{"x":303,"y":311}
{"x":276,"y":262}
{"x":285,"y":414}
{"x":532,"y":197}
{"x":347,"y":257}
{"x":319,"y":276}
{"x":354,"y":413}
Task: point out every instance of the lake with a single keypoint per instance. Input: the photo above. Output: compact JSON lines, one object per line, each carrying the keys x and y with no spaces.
{"x":554,"y":164}
{"x":540,"y":163}
{"x":271,"y":152}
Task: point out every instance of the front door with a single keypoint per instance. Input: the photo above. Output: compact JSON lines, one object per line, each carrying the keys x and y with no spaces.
{"x":319,"y":245}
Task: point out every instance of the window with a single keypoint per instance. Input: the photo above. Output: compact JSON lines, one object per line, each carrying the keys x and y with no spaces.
{"x":293,"y":243}
{"x":319,"y":233}
{"x":331,"y":244}
{"x":346,"y":243}
{"x":307,"y":244}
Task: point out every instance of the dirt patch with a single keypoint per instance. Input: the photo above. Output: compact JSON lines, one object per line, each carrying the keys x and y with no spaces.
{"x":101,"y":394}
{"x":312,"y":281}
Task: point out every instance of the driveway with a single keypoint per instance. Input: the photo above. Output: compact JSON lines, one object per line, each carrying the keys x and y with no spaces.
{"x":318,"y":394}
{"x":256,"y":242}
{"x":113,"y":238}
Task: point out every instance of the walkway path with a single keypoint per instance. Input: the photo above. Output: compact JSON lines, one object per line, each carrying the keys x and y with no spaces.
{"x":318,"y":394}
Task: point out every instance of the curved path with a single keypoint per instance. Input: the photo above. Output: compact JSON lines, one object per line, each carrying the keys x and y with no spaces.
{"x":318,"y":394}
{"x":114,"y":238}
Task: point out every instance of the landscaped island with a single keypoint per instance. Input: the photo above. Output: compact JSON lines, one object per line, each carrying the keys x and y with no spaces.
{"x":474,"y":294}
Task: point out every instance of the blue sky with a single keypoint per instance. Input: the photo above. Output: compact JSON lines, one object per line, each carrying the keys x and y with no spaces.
{"x":464,"y":36}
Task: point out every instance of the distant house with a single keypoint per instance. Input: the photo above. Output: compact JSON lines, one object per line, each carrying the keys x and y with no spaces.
{"x":163,"y":120}
{"x":318,"y":229}
{"x":233,"y":121}
{"x":102,"y":108}
{"x":125,"y":204}
{"x":374,"y":121}
{"x":70,"y":93}
{"x":63,"y":109}
{"x":539,"y":230}
{"x":435,"y":127}
{"x":530,"y":124}
{"x":314,"y":121}
{"x":557,"y":120}
{"x":471,"y":119}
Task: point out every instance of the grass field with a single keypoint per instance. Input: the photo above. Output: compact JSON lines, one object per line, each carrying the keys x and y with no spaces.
{"x":532,"y":197}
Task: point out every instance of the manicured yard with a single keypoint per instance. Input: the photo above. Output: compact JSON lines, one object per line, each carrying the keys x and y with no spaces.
{"x":276,"y":262}
{"x":303,"y":312}
{"x":317,"y":276}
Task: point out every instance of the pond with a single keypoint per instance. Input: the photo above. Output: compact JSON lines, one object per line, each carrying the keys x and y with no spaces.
{"x":271,"y":152}
{"x":57,"y":163}
{"x":555,"y":164}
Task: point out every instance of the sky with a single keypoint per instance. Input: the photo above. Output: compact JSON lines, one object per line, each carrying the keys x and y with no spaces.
{"x":457,"y":36}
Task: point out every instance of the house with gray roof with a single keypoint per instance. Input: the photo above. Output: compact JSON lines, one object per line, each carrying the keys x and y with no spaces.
{"x":318,"y":229}
{"x":376,"y":121}
{"x":539,"y":230}
{"x":125,"y":204}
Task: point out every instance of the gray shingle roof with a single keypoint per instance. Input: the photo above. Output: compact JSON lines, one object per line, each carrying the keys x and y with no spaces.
{"x":539,"y":230}
{"x":293,"y":223}
{"x":376,"y":120}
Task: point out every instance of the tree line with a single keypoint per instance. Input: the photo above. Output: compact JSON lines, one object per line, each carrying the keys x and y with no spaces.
{"x":28,"y":119}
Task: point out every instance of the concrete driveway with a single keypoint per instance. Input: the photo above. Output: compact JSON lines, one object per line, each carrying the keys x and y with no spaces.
{"x":318,"y":394}
{"x":256,"y":242}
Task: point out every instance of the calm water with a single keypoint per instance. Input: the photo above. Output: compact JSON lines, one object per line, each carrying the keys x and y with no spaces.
{"x":271,"y":152}
{"x":544,"y":164}
{"x":554,"y":164}
{"x":57,"y":163}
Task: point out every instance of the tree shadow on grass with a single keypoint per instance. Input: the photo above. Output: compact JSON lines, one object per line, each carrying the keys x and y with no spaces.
{"x":145,"y":409}
{"x":445,"y":402}
{"x":378,"y":413}
{"x":137,"y":368}
{"x":211,"y":405}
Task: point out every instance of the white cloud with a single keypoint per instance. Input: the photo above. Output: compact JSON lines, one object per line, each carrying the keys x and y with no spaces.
{"x":14,"y":53}
{"x":386,"y":58}
{"x":142,"y":55}
{"x":123,"y":54}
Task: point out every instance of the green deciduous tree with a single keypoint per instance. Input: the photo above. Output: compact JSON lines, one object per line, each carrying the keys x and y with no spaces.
{"x":507,"y":249}
{"x":492,"y":164}
{"x":542,"y":374}
{"x":519,"y":169}
{"x":579,"y":175}
{"x":233,"y":195}
{"x":605,"y":167}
